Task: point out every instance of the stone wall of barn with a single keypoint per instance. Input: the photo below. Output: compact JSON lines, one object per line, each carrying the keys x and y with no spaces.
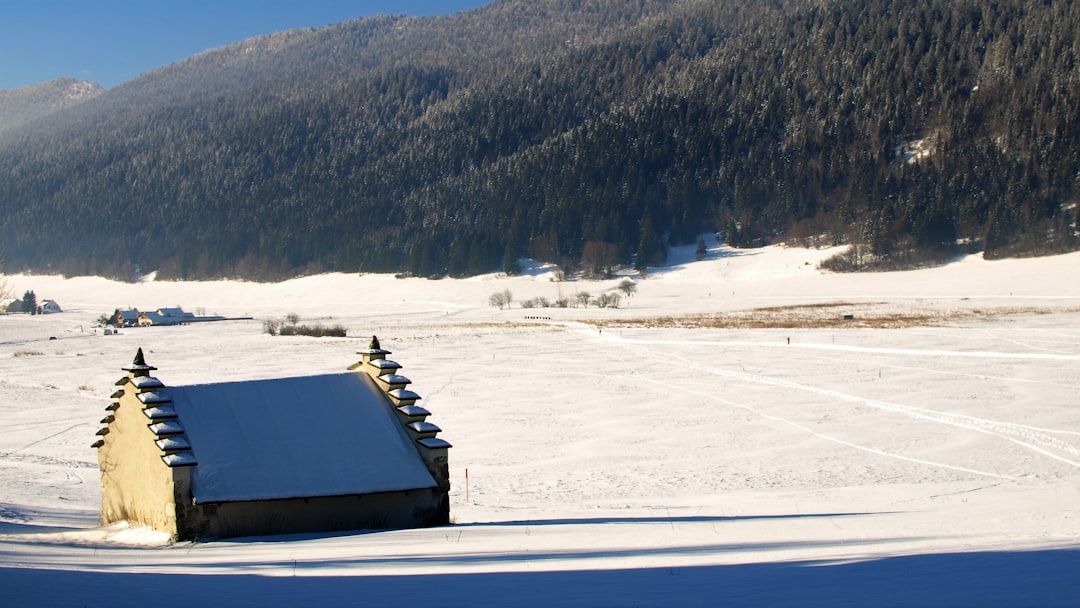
{"x":391,"y":510}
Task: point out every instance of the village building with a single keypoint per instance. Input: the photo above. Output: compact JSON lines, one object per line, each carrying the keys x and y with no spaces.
{"x":45,"y":307}
{"x":341,"y":451}
{"x":159,"y":317}
{"x":125,"y":318}
{"x":165,"y":316}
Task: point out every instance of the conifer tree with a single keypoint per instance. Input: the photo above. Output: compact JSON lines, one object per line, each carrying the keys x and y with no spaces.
{"x":29,"y":302}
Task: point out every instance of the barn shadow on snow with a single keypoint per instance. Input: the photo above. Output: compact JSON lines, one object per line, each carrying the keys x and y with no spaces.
{"x":986,"y":579}
{"x":527,"y":523}
{"x":689,"y":519}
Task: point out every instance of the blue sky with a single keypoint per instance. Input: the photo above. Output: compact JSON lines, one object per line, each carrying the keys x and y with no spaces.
{"x":112,"y":41}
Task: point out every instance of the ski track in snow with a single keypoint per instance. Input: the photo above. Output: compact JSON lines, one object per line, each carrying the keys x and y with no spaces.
{"x":1031,"y":438}
{"x":954,"y":373}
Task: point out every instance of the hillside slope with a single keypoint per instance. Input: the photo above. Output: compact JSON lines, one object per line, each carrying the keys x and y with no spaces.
{"x":583,"y":133}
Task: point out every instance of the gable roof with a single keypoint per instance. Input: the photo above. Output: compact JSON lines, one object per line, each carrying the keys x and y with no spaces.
{"x":175,"y":311}
{"x":328,"y":435}
{"x":156,"y":318}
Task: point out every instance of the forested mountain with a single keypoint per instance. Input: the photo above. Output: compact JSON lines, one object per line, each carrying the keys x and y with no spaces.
{"x":570,"y":131}
{"x":20,"y":106}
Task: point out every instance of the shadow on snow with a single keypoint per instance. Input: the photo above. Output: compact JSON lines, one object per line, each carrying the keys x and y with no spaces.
{"x":985,"y":579}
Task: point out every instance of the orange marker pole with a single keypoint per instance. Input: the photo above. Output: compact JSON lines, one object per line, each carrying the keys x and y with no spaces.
{"x":466,"y":485}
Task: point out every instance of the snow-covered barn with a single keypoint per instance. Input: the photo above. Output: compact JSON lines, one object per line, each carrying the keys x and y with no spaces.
{"x":341,"y":451}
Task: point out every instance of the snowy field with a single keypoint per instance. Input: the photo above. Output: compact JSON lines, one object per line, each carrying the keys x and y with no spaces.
{"x":724,"y":438}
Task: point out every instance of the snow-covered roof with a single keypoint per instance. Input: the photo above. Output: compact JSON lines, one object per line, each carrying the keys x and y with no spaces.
{"x":168,"y":427}
{"x":395,"y":379}
{"x":154,"y":396}
{"x":413,"y":410}
{"x":157,"y":318}
{"x":174,"y":442}
{"x":145,"y":382}
{"x":422,"y":426}
{"x":160,"y":412}
{"x":327,"y":435}
{"x":386,"y":365}
{"x":180,"y":459}
{"x":403,"y":394}
{"x":171,"y":312}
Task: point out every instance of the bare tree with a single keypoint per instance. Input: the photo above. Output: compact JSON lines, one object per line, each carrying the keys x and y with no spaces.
{"x":628,"y":287}
{"x":608,"y":300}
{"x":5,"y":292}
{"x":598,"y":258}
{"x":582,"y":298}
{"x":500,"y":299}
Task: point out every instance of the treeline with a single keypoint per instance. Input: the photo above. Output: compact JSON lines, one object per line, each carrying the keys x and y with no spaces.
{"x":585,"y":133}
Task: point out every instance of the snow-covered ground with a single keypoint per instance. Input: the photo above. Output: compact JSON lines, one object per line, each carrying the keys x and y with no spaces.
{"x":678,"y":450}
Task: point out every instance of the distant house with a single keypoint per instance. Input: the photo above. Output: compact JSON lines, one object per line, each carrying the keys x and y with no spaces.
{"x":147,"y":319}
{"x":49,"y":307}
{"x":338,"y":451}
{"x":125,"y":318}
{"x":165,"y":316}
{"x":175,"y":313}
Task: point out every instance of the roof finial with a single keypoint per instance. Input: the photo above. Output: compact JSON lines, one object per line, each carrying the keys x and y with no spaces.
{"x":373,"y":351}
{"x":139,"y":366}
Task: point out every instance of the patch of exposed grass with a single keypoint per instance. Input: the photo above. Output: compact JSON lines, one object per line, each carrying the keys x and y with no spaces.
{"x":314,"y":331}
{"x":823,"y":316}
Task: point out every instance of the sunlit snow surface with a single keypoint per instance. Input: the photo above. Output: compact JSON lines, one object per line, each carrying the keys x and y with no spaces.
{"x":626,"y":464}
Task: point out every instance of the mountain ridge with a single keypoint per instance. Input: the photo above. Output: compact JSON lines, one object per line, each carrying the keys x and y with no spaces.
{"x":580,"y":133}
{"x":26,"y":104}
